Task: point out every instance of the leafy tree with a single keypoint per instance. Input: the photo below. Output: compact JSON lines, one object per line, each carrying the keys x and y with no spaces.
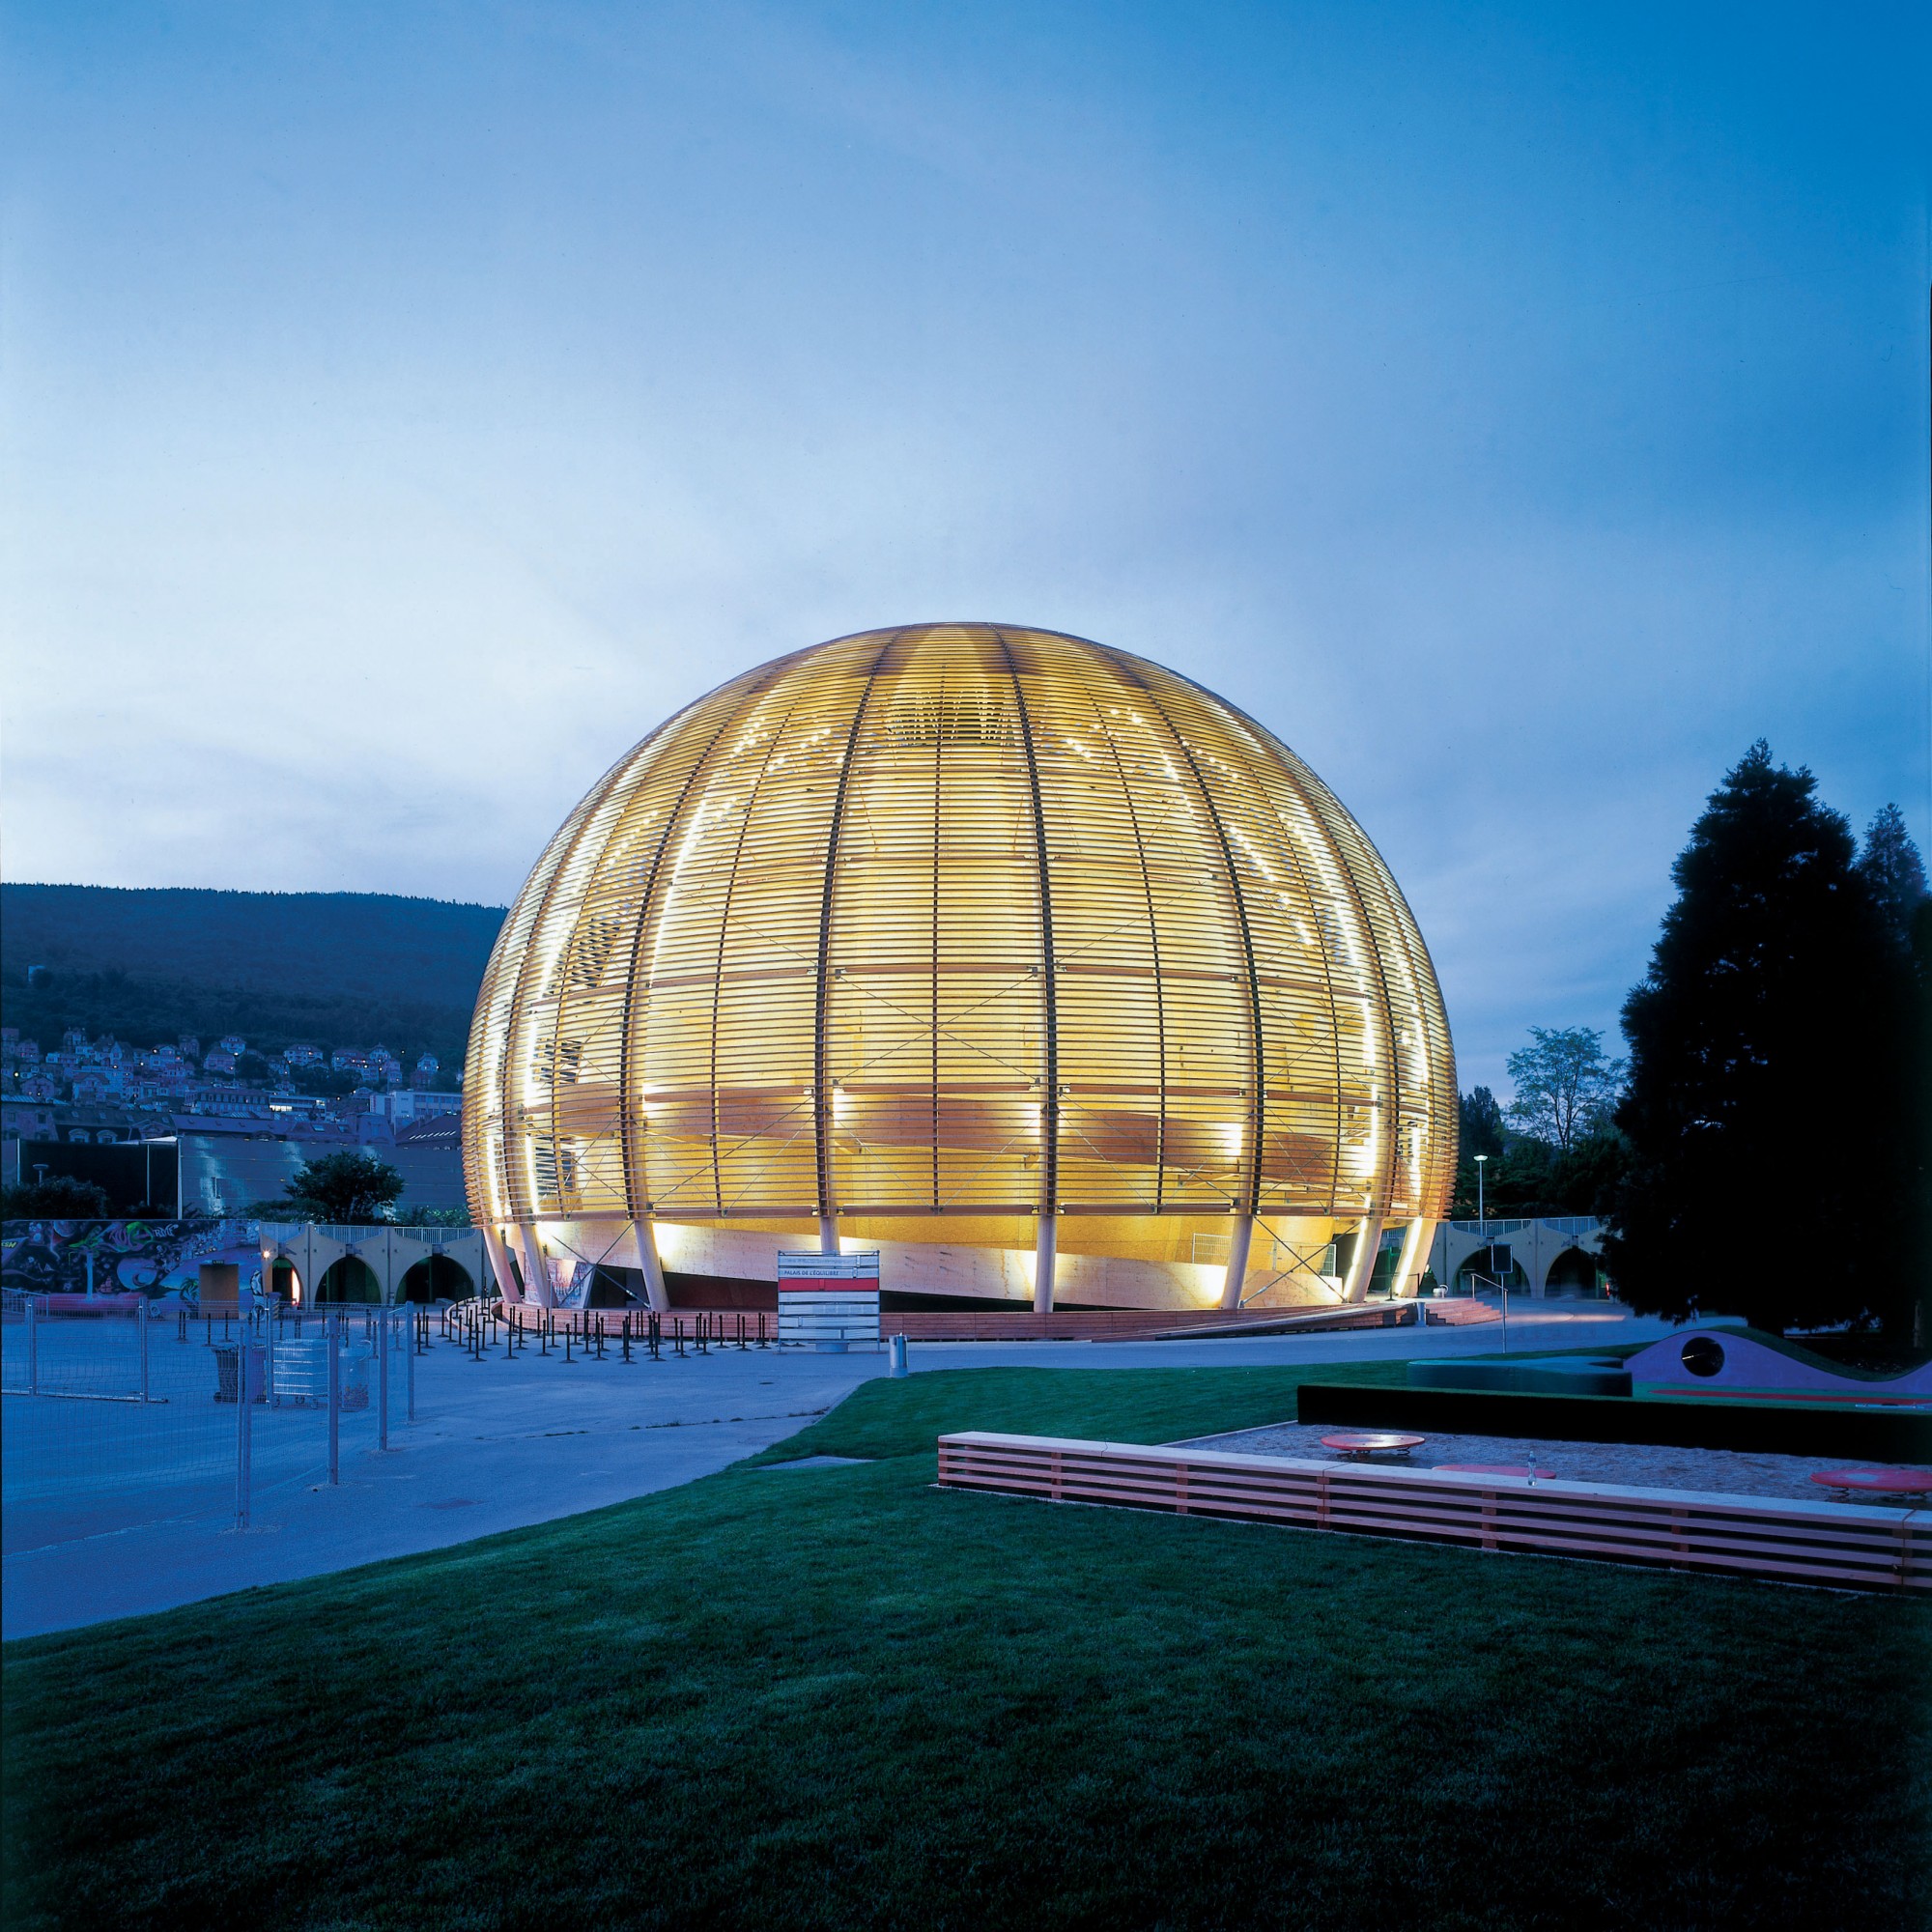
{"x":59,"y":1196}
{"x":1768,"y":1104}
{"x":1589,"y":1178}
{"x":342,"y":1187}
{"x":1530,"y":1177}
{"x":1894,"y":873}
{"x":1482,"y":1123}
{"x":1565,"y":1085}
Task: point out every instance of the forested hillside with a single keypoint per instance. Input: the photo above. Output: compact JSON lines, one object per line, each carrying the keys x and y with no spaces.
{"x":332,"y":968}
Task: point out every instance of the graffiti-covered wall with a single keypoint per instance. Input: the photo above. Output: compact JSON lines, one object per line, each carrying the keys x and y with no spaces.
{"x":44,"y":1257}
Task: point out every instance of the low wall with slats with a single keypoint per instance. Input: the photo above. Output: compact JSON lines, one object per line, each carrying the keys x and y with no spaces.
{"x":1838,"y":1545}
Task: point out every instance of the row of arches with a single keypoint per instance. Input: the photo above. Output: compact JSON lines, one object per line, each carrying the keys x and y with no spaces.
{"x":1575,"y":1270}
{"x":349,"y":1279}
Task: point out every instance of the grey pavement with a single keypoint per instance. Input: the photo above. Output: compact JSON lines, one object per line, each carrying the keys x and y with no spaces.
{"x":503,"y":1442}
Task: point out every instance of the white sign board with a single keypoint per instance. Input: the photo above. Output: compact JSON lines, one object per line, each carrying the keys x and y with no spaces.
{"x":829,"y":1301}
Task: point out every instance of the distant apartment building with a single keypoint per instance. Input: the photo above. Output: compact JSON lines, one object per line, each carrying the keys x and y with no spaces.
{"x":219,"y":1059}
{"x":233,"y":1044}
{"x":413,"y":1104}
{"x":302,"y":1056}
{"x":426,"y":1070}
{"x":27,"y":1120}
{"x":190,"y":1046}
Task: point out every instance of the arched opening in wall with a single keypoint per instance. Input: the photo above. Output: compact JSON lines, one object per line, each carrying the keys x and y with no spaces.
{"x":1487,"y":1263}
{"x":1576,"y":1271}
{"x":349,"y":1279}
{"x":284,"y":1281}
{"x":437,"y":1278}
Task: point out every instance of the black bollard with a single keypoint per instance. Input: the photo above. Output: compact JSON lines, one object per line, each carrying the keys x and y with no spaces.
{"x":566,"y":1341}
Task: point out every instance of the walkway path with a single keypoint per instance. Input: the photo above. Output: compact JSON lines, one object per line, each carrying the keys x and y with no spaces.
{"x":501,"y":1444}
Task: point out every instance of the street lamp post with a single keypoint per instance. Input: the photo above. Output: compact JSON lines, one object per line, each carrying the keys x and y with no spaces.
{"x":1482,"y":1219}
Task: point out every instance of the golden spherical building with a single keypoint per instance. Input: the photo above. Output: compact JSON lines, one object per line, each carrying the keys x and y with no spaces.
{"x":1032,"y":964}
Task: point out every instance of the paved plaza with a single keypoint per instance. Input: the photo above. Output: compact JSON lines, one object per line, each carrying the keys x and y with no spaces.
{"x":500,"y":1443}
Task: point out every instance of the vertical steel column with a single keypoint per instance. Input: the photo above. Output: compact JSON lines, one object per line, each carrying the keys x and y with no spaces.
{"x":1047,"y":1242}
{"x":410,"y":1373}
{"x":821,"y":1070}
{"x":1239,"y":1242}
{"x":333,"y":1333}
{"x":652,"y":1262}
{"x":536,"y":1273}
{"x":1045,"y":1252}
{"x":1362,"y":1263}
{"x":142,"y":1311}
{"x":1414,"y":1245}
{"x":33,"y":1344}
{"x":499,"y":1263}
{"x":385,"y":1328}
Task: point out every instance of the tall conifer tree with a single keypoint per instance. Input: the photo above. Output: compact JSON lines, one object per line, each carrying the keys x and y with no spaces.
{"x":1766,"y":1108}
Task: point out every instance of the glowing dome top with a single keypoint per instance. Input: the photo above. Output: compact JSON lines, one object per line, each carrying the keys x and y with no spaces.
{"x":958,"y":919}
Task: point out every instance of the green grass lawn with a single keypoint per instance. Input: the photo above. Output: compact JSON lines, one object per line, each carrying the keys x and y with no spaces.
{"x":842,"y":1699}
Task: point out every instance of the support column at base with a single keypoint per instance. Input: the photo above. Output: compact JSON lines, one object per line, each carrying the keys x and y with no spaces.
{"x":499,"y":1263}
{"x":1239,"y":1241}
{"x":827,"y":1233}
{"x":1415,"y":1257}
{"x":536,"y":1275}
{"x":655,"y":1291}
{"x":1047,"y":1247}
{"x":1362,"y":1263}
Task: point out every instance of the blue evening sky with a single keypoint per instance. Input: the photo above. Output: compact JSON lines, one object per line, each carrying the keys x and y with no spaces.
{"x":1519,"y":409}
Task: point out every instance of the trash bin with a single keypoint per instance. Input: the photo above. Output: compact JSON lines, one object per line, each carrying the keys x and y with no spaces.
{"x":227,"y":1370}
{"x":354,"y":1392}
